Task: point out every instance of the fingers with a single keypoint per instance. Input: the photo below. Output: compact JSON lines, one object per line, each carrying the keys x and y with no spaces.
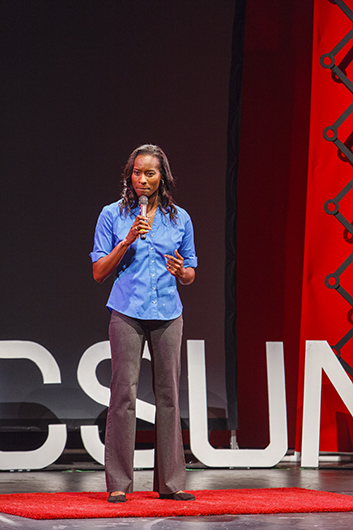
{"x":177,"y":258}
{"x":139,"y":227}
{"x":173,"y":261}
{"x":142,"y":223}
{"x":175,"y":264}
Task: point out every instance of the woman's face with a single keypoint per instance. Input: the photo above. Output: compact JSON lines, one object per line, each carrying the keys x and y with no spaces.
{"x":146,"y":175}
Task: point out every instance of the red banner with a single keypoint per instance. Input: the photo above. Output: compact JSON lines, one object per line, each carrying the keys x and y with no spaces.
{"x":328,"y":274}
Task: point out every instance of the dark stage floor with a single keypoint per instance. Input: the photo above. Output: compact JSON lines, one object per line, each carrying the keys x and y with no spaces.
{"x":80,"y":475}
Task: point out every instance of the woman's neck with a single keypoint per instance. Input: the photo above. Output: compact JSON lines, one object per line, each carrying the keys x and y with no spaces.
{"x":152,"y":202}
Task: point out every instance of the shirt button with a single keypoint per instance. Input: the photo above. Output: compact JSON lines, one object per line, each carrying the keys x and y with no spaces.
{"x":154,"y":288}
{"x":151,"y":248}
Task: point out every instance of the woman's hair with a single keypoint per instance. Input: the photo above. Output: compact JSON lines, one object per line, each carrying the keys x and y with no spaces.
{"x":165,"y":200}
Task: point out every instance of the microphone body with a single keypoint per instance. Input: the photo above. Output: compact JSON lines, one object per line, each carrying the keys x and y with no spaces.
{"x":143,"y":202}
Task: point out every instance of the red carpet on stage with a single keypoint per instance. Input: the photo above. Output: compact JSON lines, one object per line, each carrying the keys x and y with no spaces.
{"x":89,"y":505}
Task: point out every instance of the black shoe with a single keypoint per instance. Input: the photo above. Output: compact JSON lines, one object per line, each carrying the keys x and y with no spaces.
{"x":117,"y":498}
{"x":182,"y":496}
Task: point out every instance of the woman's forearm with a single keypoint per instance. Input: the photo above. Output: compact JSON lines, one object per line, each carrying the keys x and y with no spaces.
{"x":106,"y":265}
{"x":103,"y":268}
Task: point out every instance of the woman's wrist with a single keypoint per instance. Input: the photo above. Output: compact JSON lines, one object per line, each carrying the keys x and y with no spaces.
{"x":181,"y":274}
{"x":187,"y":276}
{"x":124,"y":243}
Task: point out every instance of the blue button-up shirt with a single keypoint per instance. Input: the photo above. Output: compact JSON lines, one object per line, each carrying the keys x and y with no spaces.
{"x":143,"y":288}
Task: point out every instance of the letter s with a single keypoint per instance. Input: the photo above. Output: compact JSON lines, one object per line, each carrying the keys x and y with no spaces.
{"x":87,"y":379}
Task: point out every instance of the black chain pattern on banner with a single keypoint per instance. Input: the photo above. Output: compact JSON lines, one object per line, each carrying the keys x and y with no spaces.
{"x":339,"y":75}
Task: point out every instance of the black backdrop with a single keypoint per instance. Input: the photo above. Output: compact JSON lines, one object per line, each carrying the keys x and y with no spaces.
{"x":84,"y":83}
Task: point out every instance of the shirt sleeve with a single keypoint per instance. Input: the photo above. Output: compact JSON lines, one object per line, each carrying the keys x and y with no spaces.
{"x":103,"y":236}
{"x":187,"y":247}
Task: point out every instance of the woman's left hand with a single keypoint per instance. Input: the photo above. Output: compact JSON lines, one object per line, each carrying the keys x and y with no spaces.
{"x":175,"y":264}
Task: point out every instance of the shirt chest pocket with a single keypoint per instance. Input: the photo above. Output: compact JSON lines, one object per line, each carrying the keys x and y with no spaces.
{"x":167,"y":241}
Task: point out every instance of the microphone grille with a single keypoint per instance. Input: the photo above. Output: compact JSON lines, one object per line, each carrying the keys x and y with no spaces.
{"x":143,"y":200}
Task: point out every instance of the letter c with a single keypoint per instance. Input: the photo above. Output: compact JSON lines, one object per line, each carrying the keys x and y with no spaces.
{"x":56,"y":441}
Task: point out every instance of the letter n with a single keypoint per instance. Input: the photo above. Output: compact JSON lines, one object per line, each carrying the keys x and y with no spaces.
{"x":319,"y":356}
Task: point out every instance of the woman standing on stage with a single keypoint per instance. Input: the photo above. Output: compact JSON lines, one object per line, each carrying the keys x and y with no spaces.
{"x":145,"y":305}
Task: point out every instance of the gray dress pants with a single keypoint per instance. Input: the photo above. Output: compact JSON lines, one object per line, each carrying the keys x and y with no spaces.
{"x":127,"y":338}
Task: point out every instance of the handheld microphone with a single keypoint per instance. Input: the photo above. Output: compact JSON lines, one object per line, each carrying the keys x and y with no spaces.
{"x":143,"y":202}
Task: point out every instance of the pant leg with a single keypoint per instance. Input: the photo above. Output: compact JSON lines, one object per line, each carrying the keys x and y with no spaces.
{"x":165,"y":345}
{"x":126,"y":341}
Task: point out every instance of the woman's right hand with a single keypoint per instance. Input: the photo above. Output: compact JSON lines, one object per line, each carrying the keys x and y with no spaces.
{"x":140,"y":226}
